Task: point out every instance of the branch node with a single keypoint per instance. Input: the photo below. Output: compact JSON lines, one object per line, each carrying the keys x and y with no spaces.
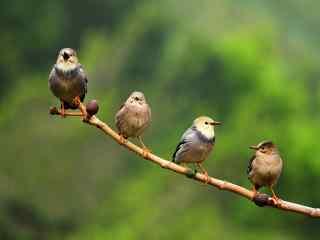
{"x":86,"y":119}
{"x":262,"y":199}
{"x":164,"y":165}
{"x":92,"y":108}
{"x":54,"y":111}
{"x":190,"y":173}
{"x":223,"y":185}
{"x":122,"y":140}
{"x":145,"y":154}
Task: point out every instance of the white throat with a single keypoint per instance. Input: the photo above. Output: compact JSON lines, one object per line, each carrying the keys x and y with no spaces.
{"x":207,"y":131}
{"x":209,"y":134}
{"x":66,"y":67}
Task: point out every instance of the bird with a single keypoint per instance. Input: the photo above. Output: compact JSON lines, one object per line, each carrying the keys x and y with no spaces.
{"x":133,"y":117}
{"x":196,"y":143}
{"x":265,"y":167}
{"x":68,"y":81}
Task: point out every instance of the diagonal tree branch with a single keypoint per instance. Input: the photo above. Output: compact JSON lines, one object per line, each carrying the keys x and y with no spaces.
{"x":259,"y":199}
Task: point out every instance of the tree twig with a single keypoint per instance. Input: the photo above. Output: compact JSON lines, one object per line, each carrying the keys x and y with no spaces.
{"x":259,"y":199}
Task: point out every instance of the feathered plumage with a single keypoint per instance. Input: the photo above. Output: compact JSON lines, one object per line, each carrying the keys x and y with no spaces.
{"x":196,"y":143}
{"x":265,"y":166}
{"x":134,"y":116}
{"x":67,"y":79}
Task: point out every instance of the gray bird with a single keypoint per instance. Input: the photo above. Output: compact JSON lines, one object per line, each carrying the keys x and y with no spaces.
{"x":134,"y":117}
{"x":265,"y":167}
{"x":68,"y":81}
{"x":196,"y":143}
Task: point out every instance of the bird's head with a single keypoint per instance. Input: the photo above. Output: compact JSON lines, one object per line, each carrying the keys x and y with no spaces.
{"x":137,"y":98}
{"x":265,"y":147}
{"x":67,"y":59}
{"x":205,"y":125}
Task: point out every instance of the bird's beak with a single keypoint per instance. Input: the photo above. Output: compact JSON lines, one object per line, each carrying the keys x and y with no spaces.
{"x":254,"y":147}
{"x":65,"y":56}
{"x":215,"y":123}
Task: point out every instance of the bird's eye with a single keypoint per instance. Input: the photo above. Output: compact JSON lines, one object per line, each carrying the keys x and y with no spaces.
{"x":206,"y":123}
{"x":136,"y":98}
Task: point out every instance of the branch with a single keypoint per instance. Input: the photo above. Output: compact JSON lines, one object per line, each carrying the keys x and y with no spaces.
{"x":260,"y":199}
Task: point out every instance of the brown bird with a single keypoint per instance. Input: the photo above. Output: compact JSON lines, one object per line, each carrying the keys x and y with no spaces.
{"x":265,"y":167}
{"x":133,"y":117}
{"x":68,"y":81}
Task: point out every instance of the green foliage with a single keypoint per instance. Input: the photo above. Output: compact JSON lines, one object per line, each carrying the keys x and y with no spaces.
{"x":245,"y":64}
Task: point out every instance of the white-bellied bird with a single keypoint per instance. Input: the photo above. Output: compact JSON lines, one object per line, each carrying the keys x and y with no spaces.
{"x":196,"y":143}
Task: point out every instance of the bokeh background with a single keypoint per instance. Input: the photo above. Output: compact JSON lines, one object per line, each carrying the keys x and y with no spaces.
{"x":254,"y":65}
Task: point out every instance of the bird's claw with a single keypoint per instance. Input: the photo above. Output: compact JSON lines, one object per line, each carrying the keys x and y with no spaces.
{"x":275,"y":200}
{"x":54,"y":111}
{"x":83,"y":110}
{"x":145,"y":152}
{"x":207,"y":177}
{"x":76,"y":101}
{"x":62,"y":111}
{"x":122,"y":140}
{"x":204,"y":172}
{"x":255,"y":192}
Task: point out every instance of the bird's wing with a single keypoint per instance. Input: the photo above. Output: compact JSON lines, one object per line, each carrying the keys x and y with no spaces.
{"x":85,"y":78}
{"x":184,"y":141}
{"x":52,"y":76}
{"x":120,"y":116}
{"x":179,"y":146}
{"x":146,"y":117}
{"x":149,"y":112}
{"x":82,"y":72}
{"x":250,"y":164}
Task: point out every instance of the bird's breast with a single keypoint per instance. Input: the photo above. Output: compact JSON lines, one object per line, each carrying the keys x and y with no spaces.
{"x":135,"y":121}
{"x":266,"y":169}
{"x":67,"y":87}
{"x":200,"y":151}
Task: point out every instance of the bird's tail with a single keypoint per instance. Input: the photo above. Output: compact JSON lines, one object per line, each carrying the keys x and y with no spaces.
{"x":174,"y":160}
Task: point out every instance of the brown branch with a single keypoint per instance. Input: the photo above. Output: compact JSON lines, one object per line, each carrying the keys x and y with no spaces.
{"x":259,"y":199}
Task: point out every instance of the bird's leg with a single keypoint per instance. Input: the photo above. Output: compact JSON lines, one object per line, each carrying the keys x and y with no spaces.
{"x":145,"y":150}
{"x":77,"y":102}
{"x":254,"y":190}
{"x":62,"y":112}
{"x":274,"y":198}
{"x":204,"y":171}
{"x":191,"y":173}
{"x":122,"y":139}
{"x":142,"y":144}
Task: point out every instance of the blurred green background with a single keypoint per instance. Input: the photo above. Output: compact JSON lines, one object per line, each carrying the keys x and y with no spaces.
{"x":254,"y":65}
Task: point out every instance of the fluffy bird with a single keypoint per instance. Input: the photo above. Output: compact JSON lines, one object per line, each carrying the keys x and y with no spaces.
{"x":133,"y":117}
{"x":196,"y":143}
{"x":68,"y":81}
{"x":265,"y":167}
